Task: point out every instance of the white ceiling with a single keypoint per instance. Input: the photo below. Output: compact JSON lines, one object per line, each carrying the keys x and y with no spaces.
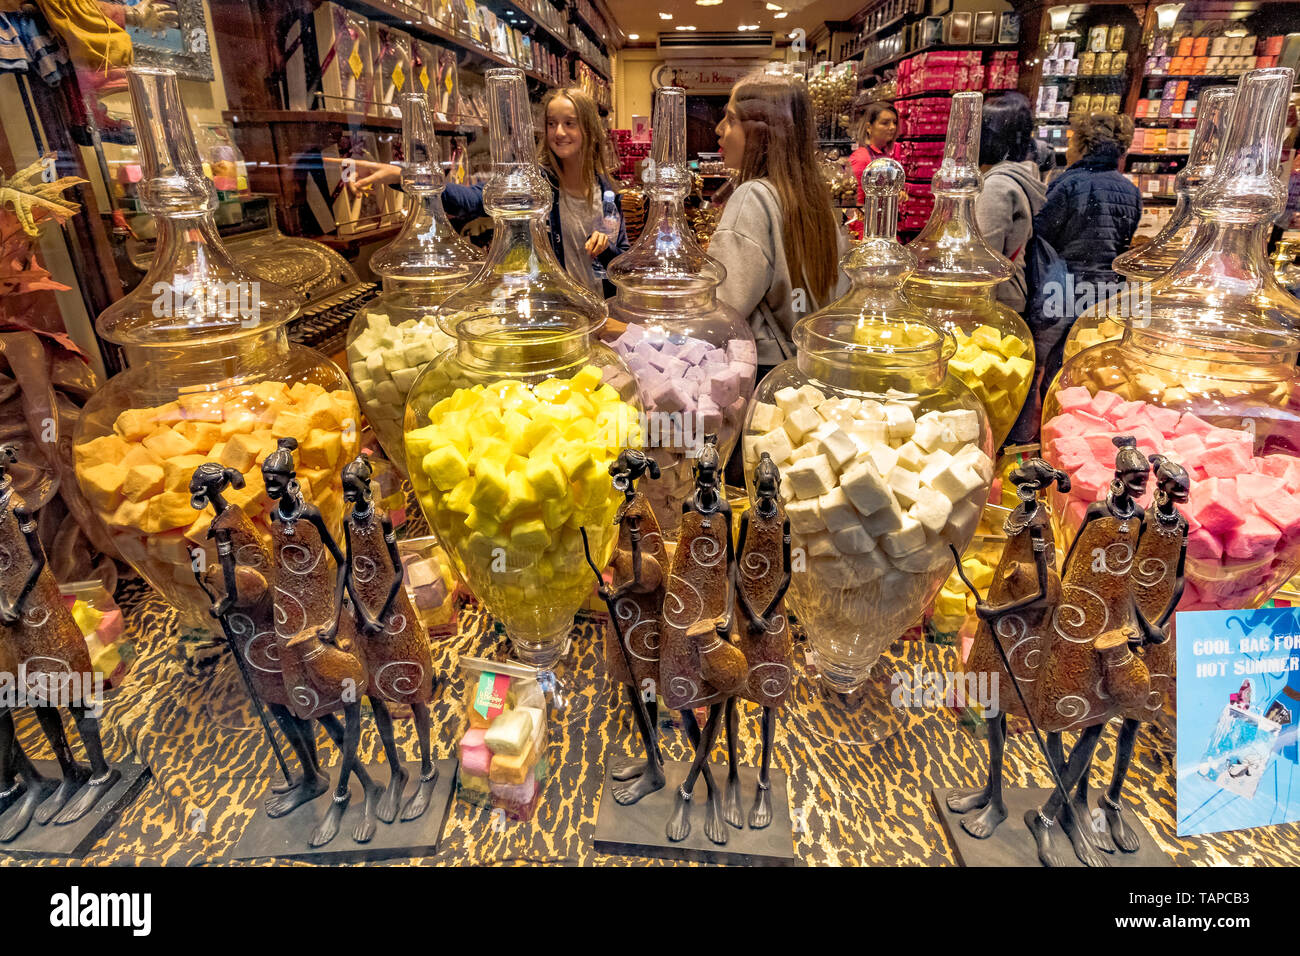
{"x":642,"y":16}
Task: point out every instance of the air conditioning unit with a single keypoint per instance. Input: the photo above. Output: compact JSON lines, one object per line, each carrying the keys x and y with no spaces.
{"x":717,"y":44}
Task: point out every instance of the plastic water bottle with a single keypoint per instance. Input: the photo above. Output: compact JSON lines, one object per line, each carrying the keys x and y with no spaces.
{"x":609,"y":217}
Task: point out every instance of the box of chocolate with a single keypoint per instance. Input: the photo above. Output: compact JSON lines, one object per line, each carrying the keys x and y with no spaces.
{"x":390,"y":59}
{"x":343,"y":51}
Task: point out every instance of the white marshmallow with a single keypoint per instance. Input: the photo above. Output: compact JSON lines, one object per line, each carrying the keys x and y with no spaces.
{"x":884,"y":520}
{"x":884,"y":458}
{"x":932,"y":509}
{"x":965,"y":518}
{"x":900,"y":421}
{"x":811,"y":477}
{"x":905,"y":486}
{"x":838,"y":448}
{"x":766,"y":417}
{"x":965,"y":424}
{"x":812,"y":395}
{"x":929,"y":431}
{"x":805,"y":516}
{"x":806,"y":450}
{"x":834,"y":573}
{"x":935,"y":463}
{"x":870,"y":411}
{"x":865,"y":487}
{"x":911,"y":456}
{"x":776,"y":443}
{"x":867,"y":434}
{"x":854,"y":540}
{"x":977,"y":460}
{"x":788,"y":399}
{"x":956,"y":481}
{"x":837,"y":511}
{"x":800,"y":421}
{"x":820,"y":545}
{"x":933,"y":555}
{"x":869,"y":565}
{"x":906,"y":539}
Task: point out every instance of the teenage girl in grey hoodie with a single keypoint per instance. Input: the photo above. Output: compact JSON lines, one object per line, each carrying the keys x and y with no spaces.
{"x":1013,"y":191}
{"x":779,"y":236}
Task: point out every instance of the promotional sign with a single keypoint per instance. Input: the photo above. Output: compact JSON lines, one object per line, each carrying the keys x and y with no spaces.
{"x":1238,"y":697}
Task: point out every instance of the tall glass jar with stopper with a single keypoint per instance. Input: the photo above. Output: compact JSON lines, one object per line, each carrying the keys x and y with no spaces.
{"x":510,"y":434}
{"x":1207,"y":376}
{"x":211,"y":376}
{"x":396,"y":334}
{"x":957,"y":272}
{"x":1104,"y":321}
{"x":885,"y":456}
{"x":693,"y":357}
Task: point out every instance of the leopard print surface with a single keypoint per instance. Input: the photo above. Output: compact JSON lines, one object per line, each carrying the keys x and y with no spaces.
{"x":851,"y":805}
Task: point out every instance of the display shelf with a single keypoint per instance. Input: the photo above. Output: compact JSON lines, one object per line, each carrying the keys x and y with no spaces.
{"x":939,"y":48}
{"x":339,"y":118}
{"x":577,"y":18}
{"x":1225,"y":77}
{"x":599,"y":71}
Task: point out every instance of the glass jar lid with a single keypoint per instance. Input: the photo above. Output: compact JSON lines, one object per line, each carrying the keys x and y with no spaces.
{"x":194,"y":291}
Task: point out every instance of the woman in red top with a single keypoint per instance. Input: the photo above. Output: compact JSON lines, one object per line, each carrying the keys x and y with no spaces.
{"x":877,"y":138}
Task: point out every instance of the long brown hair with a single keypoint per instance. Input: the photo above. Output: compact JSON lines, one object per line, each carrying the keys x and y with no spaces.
{"x":776,"y":115}
{"x":595,"y":156}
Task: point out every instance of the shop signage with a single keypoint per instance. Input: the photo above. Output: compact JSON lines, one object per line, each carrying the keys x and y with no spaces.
{"x":702,"y":79}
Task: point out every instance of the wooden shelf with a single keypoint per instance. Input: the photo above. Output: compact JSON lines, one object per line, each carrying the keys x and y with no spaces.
{"x":338,"y":118}
{"x":941,"y":48}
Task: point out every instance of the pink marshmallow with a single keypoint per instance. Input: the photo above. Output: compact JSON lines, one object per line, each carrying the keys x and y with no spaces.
{"x":1283,"y":510}
{"x":1252,"y":488}
{"x":475,"y":758}
{"x":1255,"y":538}
{"x":1225,"y":461}
{"x":1189,"y":424}
{"x":1216,"y":506}
{"x":1073,"y":399}
{"x":1204,"y":546}
{"x":1104,"y":401}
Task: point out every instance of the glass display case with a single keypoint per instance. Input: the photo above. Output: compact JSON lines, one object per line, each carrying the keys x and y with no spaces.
{"x":509,"y":435}
{"x":1207,"y":377}
{"x":211,"y":376}
{"x":693,"y":356}
{"x":957,"y":272}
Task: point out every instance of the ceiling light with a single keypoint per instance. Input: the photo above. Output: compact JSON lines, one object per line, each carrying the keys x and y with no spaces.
{"x":780,"y":16}
{"x":707,"y":3}
{"x":772,"y":6}
{"x":665,"y":16}
{"x":685,"y":28}
{"x":634,"y":36}
{"x":748,"y":26}
{"x":791,"y":35}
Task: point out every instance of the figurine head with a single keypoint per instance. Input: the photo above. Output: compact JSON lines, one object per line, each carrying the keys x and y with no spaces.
{"x":1036,"y":475}
{"x":1131,"y":467}
{"x":278,"y":470}
{"x":209,"y":480}
{"x":767,"y":478}
{"x":708,"y":463}
{"x":630,"y":465}
{"x":356,"y":481}
{"x":1172,"y":481}
{"x":8,"y":456}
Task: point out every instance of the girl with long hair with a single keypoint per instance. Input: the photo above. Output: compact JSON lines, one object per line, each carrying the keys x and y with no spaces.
{"x":779,"y":236}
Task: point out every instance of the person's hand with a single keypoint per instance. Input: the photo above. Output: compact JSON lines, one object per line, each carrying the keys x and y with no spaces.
{"x":368,"y":173}
{"x":153,"y":16}
{"x":597,"y":243}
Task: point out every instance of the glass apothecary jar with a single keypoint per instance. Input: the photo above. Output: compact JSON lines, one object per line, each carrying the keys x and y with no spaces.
{"x":1207,"y":378}
{"x":510,"y":434}
{"x":693,"y":357}
{"x":885,"y":456}
{"x":211,"y":376}
{"x":396,"y":333}
{"x":1104,"y":321}
{"x":957,"y":273}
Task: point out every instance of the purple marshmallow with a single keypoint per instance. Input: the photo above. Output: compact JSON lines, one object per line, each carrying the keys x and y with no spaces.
{"x":724,"y":386}
{"x":519,"y":793}
{"x":694,"y":351}
{"x":742,"y":350}
{"x":666,"y":396}
{"x":710,"y":416}
{"x":674,"y":368}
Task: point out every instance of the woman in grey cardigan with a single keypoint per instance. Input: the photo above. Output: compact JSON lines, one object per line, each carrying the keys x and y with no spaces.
{"x":1013,"y":190}
{"x":779,"y":236}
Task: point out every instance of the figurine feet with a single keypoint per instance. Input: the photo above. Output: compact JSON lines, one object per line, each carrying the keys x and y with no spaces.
{"x":731,"y":811}
{"x":419,"y":801}
{"x":12,"y":795}
{"x":65,"y":791}
{"x":760,"y":814}
{"x":715,"y":822}
{"x":308,"y":789}
{"x":31,"y":797}
{"x":1124,"y":836}
{"x":679,"y":824}
{"x":95,"y":790}
{"x":1051,"y":848}
{"x":328,"y":828}
{"x":964,"y":801}
{"x":650,"y":780}
{"x":628,"y":769}
{"x":1084,"y":847}
{"x":983,"y":824}
{"x":392,"y":797}
{"x":1096,"y":834}
{"x":364,"y":831}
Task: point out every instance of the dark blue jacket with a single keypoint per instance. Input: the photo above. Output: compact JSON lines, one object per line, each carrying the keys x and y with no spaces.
{"x":463,"y":203}
{"x":1090,"y":215}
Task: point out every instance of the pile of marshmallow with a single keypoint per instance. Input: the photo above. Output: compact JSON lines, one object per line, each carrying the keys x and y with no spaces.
{"x":383,"y":362}
{"x":872,"y":491}
{"x":1244,"y":511}
{"x":707,"y":385}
